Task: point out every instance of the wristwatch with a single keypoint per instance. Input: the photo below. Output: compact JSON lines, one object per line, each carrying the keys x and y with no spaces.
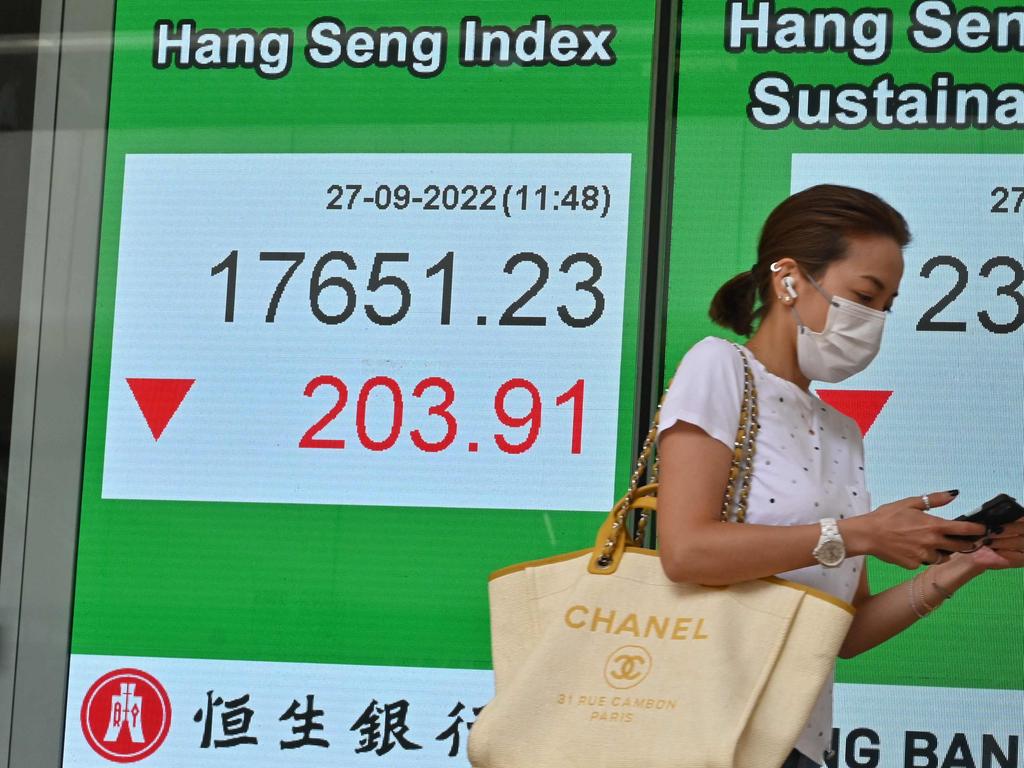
{"x":830,"y":551}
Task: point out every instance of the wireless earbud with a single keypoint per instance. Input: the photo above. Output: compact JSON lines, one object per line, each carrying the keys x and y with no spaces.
{"x":787,"y":283}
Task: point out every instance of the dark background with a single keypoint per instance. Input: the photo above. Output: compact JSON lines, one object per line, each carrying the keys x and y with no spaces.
{"x":19,"y":36}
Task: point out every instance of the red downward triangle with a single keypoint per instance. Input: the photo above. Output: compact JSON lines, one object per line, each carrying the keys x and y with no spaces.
{"x":861,"y":405}
{"x":159,"y":399}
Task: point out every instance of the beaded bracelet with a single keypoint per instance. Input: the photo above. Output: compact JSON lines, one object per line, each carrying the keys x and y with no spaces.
{"x":946,"y":595}
{"x":923,"y":601}
{"x":913,"y":601}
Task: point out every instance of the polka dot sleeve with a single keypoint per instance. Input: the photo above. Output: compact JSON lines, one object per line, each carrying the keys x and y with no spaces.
{"x":706,"y":391}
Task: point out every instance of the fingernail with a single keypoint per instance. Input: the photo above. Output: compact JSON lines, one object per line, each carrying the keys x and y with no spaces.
{"x":954,"y":492}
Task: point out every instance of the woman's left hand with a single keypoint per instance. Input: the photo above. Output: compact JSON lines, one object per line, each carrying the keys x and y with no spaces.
{"x":1004,"y":550}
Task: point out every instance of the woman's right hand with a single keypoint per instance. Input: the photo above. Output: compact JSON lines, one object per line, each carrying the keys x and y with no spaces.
{"x":904,"y":534}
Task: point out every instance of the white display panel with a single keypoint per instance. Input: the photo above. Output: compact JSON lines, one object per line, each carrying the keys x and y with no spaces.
{"x":953,"y":351}
{"x":937,"y":726}
{"x":366,"y":715}
{"x":314,"y":314}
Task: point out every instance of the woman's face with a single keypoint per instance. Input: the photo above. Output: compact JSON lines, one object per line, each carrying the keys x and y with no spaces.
{"x":870,"y":274}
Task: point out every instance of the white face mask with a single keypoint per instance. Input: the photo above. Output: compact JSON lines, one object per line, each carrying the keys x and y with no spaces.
{"x":846,"y":345}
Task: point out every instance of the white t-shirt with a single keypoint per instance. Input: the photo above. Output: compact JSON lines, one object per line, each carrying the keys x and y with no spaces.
{"x":808,"y":464}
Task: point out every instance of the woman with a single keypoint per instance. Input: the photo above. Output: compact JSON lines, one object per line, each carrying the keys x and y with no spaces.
{"x":828,"y":268}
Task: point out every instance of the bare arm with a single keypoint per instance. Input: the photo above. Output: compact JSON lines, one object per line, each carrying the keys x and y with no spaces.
{"x":888,"y":613}
{"x":695,"y":546}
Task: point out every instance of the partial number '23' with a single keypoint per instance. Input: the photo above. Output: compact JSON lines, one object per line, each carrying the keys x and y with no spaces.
{"x":1011,"y":289}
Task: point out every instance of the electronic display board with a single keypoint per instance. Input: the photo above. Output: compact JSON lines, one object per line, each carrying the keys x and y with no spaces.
{"x":366,"y":330}
{"x":922,"y":104}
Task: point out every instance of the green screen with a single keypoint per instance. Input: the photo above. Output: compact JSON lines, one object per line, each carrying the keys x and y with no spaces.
{"x":340,"y":572}
{"x":352,"y":235}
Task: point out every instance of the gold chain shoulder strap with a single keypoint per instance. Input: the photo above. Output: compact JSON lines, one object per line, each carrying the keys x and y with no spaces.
{"x":734,"y":505}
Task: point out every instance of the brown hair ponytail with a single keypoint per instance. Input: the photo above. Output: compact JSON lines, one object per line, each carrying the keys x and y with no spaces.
{"x":733,"y":304}
{"x":810,"y":227}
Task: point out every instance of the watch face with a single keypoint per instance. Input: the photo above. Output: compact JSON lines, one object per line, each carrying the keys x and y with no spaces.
{"x":830,"y":553}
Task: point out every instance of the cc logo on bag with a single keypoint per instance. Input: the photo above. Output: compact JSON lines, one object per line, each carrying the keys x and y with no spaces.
{"x":627,"y":666}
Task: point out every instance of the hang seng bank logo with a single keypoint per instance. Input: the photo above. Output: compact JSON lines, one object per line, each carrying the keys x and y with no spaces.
{"x":627,"y":666}
{"x":126,"y":715}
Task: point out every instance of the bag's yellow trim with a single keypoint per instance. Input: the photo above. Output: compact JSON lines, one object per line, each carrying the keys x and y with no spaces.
{"x":827,"y":597}
{"x":543,"y":561}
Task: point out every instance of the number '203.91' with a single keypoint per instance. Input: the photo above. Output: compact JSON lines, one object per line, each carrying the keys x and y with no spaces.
{"x":392,"y":390}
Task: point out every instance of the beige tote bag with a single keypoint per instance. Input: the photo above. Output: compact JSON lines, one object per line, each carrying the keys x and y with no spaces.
{"x":600,"y":661}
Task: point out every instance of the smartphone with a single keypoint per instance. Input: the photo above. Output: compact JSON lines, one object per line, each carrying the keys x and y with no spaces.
{"x":1000,"y":510}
